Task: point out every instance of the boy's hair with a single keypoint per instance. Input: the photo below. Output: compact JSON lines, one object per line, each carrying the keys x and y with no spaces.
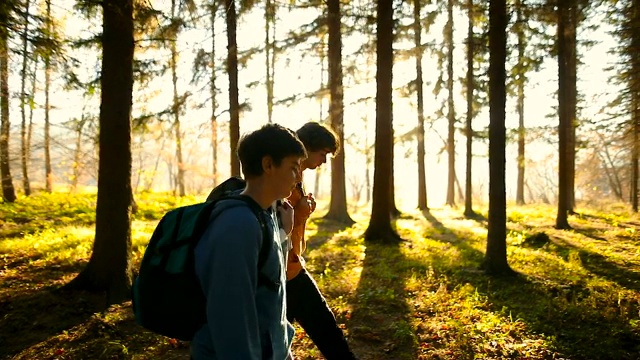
{"x":271,"y":140}
{"x":317,"y":137}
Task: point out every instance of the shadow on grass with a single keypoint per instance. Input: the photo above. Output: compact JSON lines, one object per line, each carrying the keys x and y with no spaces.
{"x":381,"y":327}
{"x":599,"y":265}
{"x":35,"y":316}
{"x":577,"y":326}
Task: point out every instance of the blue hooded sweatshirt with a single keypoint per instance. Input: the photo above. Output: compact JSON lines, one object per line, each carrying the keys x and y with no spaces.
{"x":244,"y":320}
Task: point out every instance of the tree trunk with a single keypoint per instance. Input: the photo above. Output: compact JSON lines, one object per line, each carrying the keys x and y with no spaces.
{"x":269,"y":48}
{"x":468,"y":190}
{"x":634,"y":85}
{"x":31,"y":100}
{"x":379,"y":229}
{"x":8,"y":191}
{"x":338,"y":206}
{"x":214,"y":94}
{"x":572,"y":93}
{"x":232,"y":70}
{"x":24,"y":153}
{"x":47,"y":125}
{"x":393,"y":209}
{"x":451,"y":115}
{"x":109,"y":268}
{"x":565,"y":120}
{"x":495,"y":261}
{"x":77,"y":151}
{"x":177,"y":107}
{"x":520,"y":83}
{"x":422,"y":179}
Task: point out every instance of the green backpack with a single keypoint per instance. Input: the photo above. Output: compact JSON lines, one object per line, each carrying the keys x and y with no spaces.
{"x":167,"y":296}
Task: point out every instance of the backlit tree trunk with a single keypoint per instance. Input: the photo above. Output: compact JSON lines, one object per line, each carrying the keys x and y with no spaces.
{"x":451,"y":115}
{"x":565,"y":120}
{"x":8,"y":191}
{"x":177,"y":107}
{"x":48,"y":171}
{"x":380,"y":229}
{"x":520,"y":83}
{"x":495,"y":260}
{"x":109,"y":268}
{"x":232,"y":70}
{"x":24,"y":150}
{"x":422,"y":180}
{"x":468,"y":189}
{"x":338,"y":206}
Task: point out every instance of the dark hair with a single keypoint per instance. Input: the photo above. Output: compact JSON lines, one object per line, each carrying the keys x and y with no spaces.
{"x":271,"y":140}
{"x":316,"y":137}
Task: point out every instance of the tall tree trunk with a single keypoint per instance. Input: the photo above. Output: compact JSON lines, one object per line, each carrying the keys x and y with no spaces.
{"x":269,"y":48}
{"x":495,"y":260}
{"x":634,"y":85}
{"x":520,"y":83}
{"x":316,"y":184}
{"x":24,"y":154}
{"x":8,"y":191}
{"x":77,"y":151}
{"x":468,"y":189}
{"x":47,"y":125}
{"x":338,"y":205}
{"x":565,"y":119}
{"x":109,"y":268}
{"x":422,"y":179}
{"x":635,"y":152}
{"x":393,"y":209}
{"x":572,"y":93}
{"x":214,"y":94}
{"x":232,"y":70}
{"x":451,"y":115}
{"x":31,"y":100}
{"x":176,"y":108}
{"x":379,"y":229}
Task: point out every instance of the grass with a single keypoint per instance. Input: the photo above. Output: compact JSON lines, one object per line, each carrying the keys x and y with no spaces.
{"x":576,"y":295}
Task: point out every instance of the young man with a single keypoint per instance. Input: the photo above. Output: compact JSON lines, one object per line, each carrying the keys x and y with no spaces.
{"x":245,"y":318}
{"x":305,"y":303}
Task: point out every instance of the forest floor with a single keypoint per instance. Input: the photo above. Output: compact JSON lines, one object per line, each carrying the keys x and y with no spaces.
{"x":576,"y":294}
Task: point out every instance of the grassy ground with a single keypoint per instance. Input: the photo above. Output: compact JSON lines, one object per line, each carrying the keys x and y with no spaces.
{"x":576,"y":296}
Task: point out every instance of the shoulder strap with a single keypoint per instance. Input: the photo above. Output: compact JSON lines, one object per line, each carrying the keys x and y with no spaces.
{"x":265,"y":245}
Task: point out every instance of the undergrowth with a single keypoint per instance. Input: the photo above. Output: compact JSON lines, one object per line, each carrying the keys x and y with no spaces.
{"x":576,"y":294}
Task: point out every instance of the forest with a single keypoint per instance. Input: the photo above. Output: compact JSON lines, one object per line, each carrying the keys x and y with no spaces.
{"x":484,"y":203}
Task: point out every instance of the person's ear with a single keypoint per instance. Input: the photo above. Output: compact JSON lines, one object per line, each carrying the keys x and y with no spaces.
{"x":267,"y":164}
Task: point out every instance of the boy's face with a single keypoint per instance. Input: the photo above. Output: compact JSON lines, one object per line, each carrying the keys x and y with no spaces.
{"x":287,"y":175}
{"x":316,"y":158}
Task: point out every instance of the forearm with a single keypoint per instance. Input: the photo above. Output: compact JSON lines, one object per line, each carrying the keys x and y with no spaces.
{"x":298,"y":239}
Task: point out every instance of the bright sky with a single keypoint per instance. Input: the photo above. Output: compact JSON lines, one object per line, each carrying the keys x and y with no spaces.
{"x":297,"y":73}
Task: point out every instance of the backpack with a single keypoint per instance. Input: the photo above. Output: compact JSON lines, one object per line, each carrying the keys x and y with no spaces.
{"x":167,"y":296}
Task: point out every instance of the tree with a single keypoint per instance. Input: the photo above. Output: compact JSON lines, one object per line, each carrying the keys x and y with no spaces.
{"x":109,"y":268}
{"x":495,"y":260}
{"x":232,"y":70}
{"x":521,"y":81}
{"x":379,"y":229}
{"x":422,"y":181}
{"x":8,"y":191}
{"x":24,"y":149}
{"x":468,"y":190}
{"x":566,"y":119}
{"x":338,"y":206}
{"x":47,"y":89}
{"x":270,"y":53}
{"x":451,"y":115}
{"x":178,"y":100}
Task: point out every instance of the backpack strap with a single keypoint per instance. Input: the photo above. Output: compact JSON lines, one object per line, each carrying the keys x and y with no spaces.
{"x":265,"y":245}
